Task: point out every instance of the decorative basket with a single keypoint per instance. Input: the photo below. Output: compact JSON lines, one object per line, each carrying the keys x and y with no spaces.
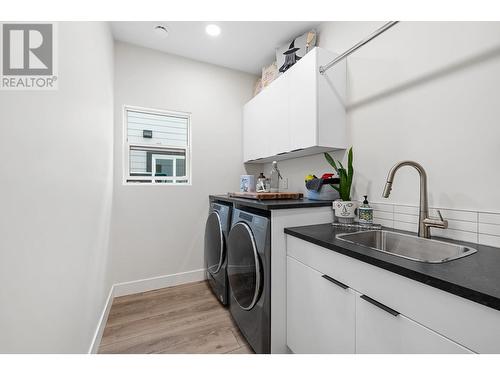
{"x":326,"y":193}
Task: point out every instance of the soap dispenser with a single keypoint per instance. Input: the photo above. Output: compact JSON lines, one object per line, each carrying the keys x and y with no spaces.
{"x":365,"y":213}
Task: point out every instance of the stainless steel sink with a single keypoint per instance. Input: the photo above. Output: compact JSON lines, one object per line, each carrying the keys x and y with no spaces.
{"x":407,"y":246}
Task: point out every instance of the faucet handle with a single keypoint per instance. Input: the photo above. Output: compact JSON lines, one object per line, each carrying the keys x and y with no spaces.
{"x":444,"y":222}
{"x":440,"y":216}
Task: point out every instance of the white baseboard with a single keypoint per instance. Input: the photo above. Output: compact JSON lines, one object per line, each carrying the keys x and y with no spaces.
{"x":139,"y":286}
{"x":144,"y":285}
{"x":96,"y":340}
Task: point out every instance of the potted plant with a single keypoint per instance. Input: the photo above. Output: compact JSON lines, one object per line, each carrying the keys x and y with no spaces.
{"x":345,"y":209}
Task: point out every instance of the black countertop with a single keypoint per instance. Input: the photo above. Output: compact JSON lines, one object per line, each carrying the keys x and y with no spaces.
{"x":272,"y":204}
{"x":475,"y":277}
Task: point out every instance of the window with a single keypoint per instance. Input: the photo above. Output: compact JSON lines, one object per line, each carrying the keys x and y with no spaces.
{"x":157,"y":146}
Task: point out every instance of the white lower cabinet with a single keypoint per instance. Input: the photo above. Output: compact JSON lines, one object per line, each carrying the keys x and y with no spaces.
{"x":320,"y":312}
{"x":331,"y":309}
{"x":382,"y":330}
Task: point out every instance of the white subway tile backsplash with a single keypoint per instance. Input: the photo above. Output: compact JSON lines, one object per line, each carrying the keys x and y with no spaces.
{"x":467,"y":226}
{"x":485,"y":239}
{"x":409,"y":210}
{"x":413,"y":219}
{"x":405,"y":226}
{"x":383,"y":222}
{"x":491,"y":229}
{"x":463,"y":225}
{"x":455,"y":214}
{"x":454,"y":234}
{"x":489,"y":218}
{"x":383,"y":215}
{"x":382,"y":207}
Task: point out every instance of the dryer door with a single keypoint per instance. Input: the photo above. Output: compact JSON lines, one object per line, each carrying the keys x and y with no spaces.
{"x":214,"y":243}
{"x":243,"y":267}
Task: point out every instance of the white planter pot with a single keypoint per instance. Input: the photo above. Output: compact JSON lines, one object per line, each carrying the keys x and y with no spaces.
{"x":345,"y":211}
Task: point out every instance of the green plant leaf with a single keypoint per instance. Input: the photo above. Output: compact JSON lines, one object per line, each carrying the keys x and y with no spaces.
{"x":345,"y":175}
{"x":350,"y":169}
{"x":349,"y":160}
{"x":330,"y":160}
{"x":344,"y":188}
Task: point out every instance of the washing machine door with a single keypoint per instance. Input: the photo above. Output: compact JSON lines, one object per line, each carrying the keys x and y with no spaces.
{"x":214,"y":243}
{"x":243,"y":267}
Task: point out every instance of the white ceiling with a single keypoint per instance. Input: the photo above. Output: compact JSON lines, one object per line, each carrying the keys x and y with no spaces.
{"x":245,"y":46}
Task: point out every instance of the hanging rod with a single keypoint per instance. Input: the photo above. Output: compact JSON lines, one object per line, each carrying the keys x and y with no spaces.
{"x":387,"y":26}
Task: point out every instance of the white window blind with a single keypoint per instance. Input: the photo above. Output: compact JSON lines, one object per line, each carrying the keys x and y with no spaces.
{"x":157,"y":146}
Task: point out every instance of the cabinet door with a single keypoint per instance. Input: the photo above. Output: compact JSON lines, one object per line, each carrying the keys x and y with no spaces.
{"x":265,"y":122}
{"x":275,"y":134}
{"x":303,"y":124}
{"x":320,"y":312}
{"x":250,"y":124}
{"x":379,"y":329}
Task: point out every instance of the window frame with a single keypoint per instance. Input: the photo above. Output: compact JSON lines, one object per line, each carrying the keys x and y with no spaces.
{"x":126,"y":149}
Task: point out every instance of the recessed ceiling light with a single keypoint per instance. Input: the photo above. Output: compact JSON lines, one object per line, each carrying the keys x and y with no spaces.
{"x":212,"y":30}
{"x":161,"y":31}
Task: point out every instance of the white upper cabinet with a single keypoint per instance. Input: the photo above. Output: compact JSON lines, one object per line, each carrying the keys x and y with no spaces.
{"x":274,"y":120}
{"x":303,"y":116}
{"x":301,"y":113}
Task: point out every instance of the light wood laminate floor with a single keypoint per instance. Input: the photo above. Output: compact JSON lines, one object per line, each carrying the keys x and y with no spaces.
{"x":181,"y":319}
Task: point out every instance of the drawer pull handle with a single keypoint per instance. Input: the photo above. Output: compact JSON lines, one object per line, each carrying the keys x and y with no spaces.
{"x":380,"y":305}
{"x":336,"y":282}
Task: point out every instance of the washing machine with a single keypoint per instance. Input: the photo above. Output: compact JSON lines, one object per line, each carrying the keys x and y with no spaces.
{"x":249,"y":275}
{"x":216,"y":232}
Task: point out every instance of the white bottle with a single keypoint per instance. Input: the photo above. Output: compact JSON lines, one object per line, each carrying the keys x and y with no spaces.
{"x":275,"y":178}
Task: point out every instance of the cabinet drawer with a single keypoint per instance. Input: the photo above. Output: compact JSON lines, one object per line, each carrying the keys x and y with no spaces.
{"x":381,"y":330}
{"x":320,"y":312}
{"x":470,"y":324}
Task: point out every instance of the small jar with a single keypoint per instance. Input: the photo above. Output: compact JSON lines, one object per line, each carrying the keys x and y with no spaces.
{"x":263,"y":184}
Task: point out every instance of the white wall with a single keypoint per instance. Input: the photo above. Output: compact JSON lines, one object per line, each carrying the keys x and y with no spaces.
{"x":425,"y":91}
{"x":55,"y":199}
{"x":158,"y":230}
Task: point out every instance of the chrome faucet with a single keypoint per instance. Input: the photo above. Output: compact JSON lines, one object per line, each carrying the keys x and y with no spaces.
{"x":424,"y":221}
